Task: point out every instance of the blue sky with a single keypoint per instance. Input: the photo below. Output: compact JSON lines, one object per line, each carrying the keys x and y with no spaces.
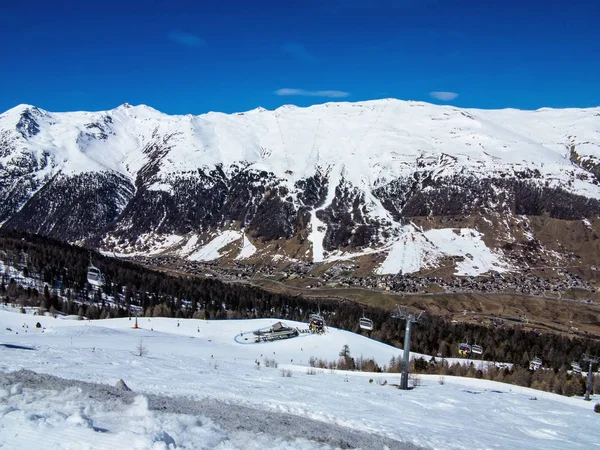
{"x":234,"y":55}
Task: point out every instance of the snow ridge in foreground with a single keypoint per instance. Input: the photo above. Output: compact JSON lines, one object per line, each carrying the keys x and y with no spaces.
{"x":105,"y":417}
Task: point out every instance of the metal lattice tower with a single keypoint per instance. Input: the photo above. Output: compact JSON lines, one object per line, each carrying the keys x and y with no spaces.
{"x":410,"y":319}
{"x":592,"y":360}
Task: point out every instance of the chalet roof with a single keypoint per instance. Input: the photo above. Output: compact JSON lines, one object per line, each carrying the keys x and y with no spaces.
{"x":280,"y":326}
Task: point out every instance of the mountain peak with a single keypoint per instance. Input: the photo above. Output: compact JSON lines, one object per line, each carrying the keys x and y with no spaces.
{"x":135,"y":107}
{"x":138,"y":111}
{"x":23,"y":107}
{"x":24,"y":118}
{"x":20,"y":109}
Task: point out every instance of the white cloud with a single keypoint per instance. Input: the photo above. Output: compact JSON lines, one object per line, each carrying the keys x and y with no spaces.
{"x":305,"y":93}
{"x":187,"y":39}
{"x":443,"y":96}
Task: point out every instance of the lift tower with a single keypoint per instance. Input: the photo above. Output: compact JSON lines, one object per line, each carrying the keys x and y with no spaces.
{"x":592,"y":360}
{"x":410,"y":319}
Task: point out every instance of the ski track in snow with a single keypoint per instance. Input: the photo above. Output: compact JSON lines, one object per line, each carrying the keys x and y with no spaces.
{"x":198,"y":388}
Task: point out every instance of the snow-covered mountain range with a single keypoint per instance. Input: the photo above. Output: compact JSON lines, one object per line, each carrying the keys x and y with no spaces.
{"x":339,"y":180}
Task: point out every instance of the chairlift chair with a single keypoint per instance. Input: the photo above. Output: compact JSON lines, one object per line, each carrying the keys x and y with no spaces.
{"x":365,"y":324}
{"x":477,"y":349}
{"x":464,"y":349}
{"x":315,"y":318}
{"x":316,"y":321}
{"x":535,"y":363}
{"x":94,"y":276}
{"x":576,"y":367}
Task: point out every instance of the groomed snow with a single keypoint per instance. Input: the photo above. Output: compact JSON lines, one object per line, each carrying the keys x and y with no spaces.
{"x":199,"y":388}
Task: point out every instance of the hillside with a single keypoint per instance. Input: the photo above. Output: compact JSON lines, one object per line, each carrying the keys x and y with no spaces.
{"x":42,"y":273}
{"x":395,"y":185}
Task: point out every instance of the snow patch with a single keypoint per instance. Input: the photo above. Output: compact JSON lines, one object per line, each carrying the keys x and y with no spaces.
{"x":415,"y":250}
{"x":164,"y":187}
{"x":248,"y":249}
{"x":318,"y":229}
{"x":189,"y":246}
{"x":211,"y":251}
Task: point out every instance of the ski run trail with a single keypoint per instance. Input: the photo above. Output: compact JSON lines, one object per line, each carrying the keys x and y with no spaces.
{"x":197,"y":385}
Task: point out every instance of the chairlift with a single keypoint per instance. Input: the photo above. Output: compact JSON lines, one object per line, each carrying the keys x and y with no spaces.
{"x":365,"y":323}
{"x":535,"y":363}
{"x":316,"y":318}
{"x":576,"y":367}
{"x":94,"y":276}
{"x":316,"y":322}
{"x":464,"y":349}
{"x":398,"y":314}
{"x":477,"y":349}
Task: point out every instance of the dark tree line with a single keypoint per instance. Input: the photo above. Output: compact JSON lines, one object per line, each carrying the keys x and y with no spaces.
{"x":525,"y":194}
{"x":559,"y":381}
{"x":64,"y":268}
{"x":80,"y":205}
{"x":200,"y":200}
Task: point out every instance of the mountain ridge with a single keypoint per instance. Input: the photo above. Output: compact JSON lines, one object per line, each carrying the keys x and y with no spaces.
{"x":335,"y":179}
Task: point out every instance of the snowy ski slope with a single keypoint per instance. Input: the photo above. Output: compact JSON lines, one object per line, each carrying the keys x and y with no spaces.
{"x":205,"y":375}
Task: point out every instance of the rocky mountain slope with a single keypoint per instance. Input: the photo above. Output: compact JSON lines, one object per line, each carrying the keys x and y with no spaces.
{"x":400,"y":186}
